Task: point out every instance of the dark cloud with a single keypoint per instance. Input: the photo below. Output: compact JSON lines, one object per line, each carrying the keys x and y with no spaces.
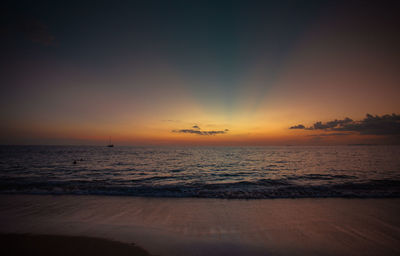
{"x":188,"y":131}
{"x":200,"y":132}
{"x":330,"y":124}
{"x":29,"y":28}
{"x":300,"y":126}
{"x":195,"y":127}
{"x":371,"y":125}
{"x":374,"y":125}
{"x":38,"y":32}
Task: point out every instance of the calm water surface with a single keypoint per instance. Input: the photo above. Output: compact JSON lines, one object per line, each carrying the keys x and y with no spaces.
{"x":221,"y":172}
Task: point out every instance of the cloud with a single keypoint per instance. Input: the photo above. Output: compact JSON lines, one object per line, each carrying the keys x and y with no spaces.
{"x":38,"y":32}
{"x":197,"y":131}
{"x":370,"y":125}
{"x":29,"y":28}
{"x":330,"y":124}
{"x":300,"y":126}
{"x":375,"y":125}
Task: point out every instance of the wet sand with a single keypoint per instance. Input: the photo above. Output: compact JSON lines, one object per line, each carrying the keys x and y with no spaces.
{"x":192,"y":226}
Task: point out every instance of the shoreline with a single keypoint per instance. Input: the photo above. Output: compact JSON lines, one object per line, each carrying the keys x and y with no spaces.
{"x":201,"y":226}
{"x":349,"y":197}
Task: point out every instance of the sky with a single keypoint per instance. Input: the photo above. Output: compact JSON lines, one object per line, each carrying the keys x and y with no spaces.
{"x":200,"y":72}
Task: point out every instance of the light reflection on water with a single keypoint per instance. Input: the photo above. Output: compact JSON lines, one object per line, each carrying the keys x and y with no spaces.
{"x":227,"y":172}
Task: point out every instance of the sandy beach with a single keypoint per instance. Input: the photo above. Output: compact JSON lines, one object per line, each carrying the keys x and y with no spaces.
{"x":191,"y":226}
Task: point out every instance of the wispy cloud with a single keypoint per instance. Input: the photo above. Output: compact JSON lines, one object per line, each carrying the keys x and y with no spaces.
{"x":196,"y":130}
{"x":328,"y":134}
{"x":171,"y":121}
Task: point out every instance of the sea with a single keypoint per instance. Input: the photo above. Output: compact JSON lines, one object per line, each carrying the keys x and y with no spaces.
{"x":362,"y":171}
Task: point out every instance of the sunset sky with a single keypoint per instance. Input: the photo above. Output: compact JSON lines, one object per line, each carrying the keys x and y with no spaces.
{"x":200,"y":72}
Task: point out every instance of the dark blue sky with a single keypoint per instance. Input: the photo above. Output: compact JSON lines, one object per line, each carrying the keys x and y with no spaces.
{"x":210,"y":41}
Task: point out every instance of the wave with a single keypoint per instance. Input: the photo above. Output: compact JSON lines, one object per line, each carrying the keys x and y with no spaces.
{"x":235,"y":190}
{"x":214,"y":172}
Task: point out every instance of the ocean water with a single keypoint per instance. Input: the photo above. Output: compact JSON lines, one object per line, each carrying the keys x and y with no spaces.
{"x":211,"y":172}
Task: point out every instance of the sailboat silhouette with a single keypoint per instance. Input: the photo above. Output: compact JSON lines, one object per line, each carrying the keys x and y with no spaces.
{"x":109,"y":144}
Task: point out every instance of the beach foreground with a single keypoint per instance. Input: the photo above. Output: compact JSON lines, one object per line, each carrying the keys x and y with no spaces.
{"x":191,"y":226}
{"x":24,"y":244}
